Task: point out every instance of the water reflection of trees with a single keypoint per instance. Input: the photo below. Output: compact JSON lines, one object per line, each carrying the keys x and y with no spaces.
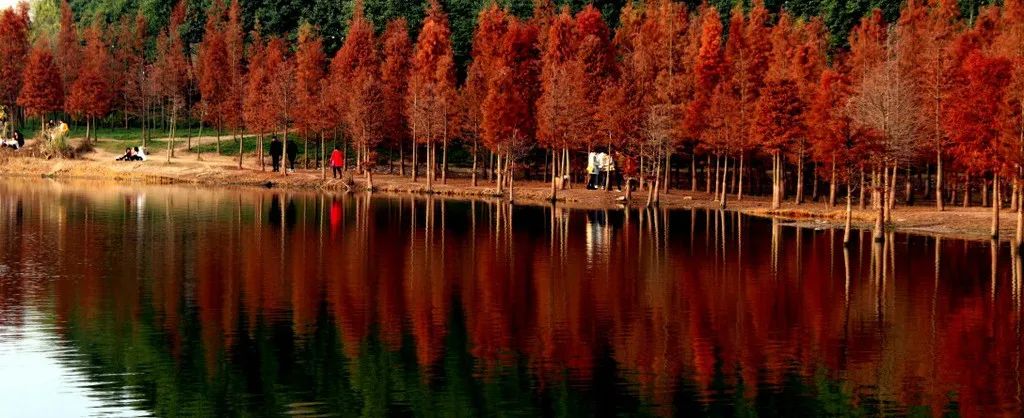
{"x":422,"y":304}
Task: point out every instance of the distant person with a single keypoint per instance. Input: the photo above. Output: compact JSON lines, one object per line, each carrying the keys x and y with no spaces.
{"x":293,"y":152}
{"x":601,"y":159}
{"x":15,"y":143}
{"x":276,"y":151}
{"x":337,"y":162}
{"x":140,"y":154}
{"x":614,"y":177}
{"x":127,"y":156}
{"x":591,"y":169}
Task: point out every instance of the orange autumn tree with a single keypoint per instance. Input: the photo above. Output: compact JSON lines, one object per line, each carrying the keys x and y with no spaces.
{"x":131,"y":61}
{"x":279,"y":106}
{"x":68,"y":55}
{"x":14,"y":47}
{"x":561,"y":108}
{"x":597,"y":57}
{"x":492,"y":23}
{"x":91,"y":95}
{"x":974,"y":118}
{"x":926,"y":30}
{"x":509,"y":112}
{"x":355,"y":75}
{"x":170,"y":71}
{"x":234,"y":41}
{"x":215,"y":81}
{"x":256,"y":111}
{"x":42,"y":91}
{"x":310,"y":83}
{"x":431,"y":100}
{"x":394,"y":77}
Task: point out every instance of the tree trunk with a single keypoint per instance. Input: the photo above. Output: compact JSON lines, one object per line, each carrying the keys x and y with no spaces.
{"x":776,"y":180}
{"x":693,"y":173}
{"x":475,"y":149}
{"x":861,"y":200}
{"x":430,"y":166}
{"x":814,"y":182}
{"x":832,"y":185}
{"x":879,"y":233}
{"x":498,"y":175}
{"x":1020,"y":217}
{"x":939,"y":203}
{"x":323,"y":156}
{"x":668,"y":166}
{"x":967,"y":189}
{"x":707,"y":176}
{"x":725,"y":176}
{"x":800,"y":179}
{"x":511,"y":178}
{"x":996,"y":204}
{"x":718,"y":175}
{"x":241,"y":142}
{"x":849,"y":215}
{"x":739,"y":184}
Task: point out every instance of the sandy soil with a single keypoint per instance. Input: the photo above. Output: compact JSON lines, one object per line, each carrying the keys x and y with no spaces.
{"x":222,"y":171}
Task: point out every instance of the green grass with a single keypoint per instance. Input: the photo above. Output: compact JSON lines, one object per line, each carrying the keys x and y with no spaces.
{"x":229,"y":146}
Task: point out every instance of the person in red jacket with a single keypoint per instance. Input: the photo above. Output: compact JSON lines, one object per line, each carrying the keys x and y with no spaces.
{"x":337,"y":162}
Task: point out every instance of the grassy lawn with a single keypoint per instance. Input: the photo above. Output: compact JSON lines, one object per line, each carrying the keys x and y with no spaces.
{"x":118,"y":146}
{"x":229,"y":146}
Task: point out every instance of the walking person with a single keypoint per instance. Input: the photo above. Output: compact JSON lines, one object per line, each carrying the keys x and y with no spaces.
{"x":613,"y":176}
{"x":276,"y":151}
{"x":292,"y":151}
{"x":591,"y":170}
{"x":602,"y":160}
{"x":337,"y":162}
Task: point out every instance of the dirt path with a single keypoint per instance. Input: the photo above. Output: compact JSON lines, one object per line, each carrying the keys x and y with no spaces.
{"x":222,"y":171}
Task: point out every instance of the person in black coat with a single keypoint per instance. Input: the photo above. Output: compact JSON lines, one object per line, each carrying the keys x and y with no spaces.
{"x":293,"y":151}
{"x":276,"y":150}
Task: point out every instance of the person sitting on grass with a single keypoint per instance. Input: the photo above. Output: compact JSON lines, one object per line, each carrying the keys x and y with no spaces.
{"x":128,"y":155}
{"x":140,"y":154}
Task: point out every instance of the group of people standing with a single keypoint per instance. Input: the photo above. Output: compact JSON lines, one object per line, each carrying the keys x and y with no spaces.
{"x":602,"y":172}
{"x":280,"y":148}
{"x":289,"y":149}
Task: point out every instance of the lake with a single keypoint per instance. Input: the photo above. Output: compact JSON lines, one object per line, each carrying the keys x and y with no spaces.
{"x":181,"y":301}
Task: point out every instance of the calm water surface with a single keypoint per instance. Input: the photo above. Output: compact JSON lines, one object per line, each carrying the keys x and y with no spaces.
{"x":146,"y":300}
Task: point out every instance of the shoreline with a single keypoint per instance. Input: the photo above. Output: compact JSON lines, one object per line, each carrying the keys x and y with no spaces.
{"x":222,"y":171}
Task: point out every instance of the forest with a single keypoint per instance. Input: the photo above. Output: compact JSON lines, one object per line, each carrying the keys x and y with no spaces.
{"x":856,"y":100}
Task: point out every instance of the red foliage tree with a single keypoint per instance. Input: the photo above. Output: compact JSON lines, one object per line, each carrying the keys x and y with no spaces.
{"x":215,"y":83}
{"x":69,"y":48}
{"x":170,"y":71}
{"x":91,"y":95}
{"x":394,"y":77}
{"x":234,"y":41}
{"x":431,"y":101}
{"x":562,"y":106}
{"x":130,"y":61}
{"x":778,"y":122}
{"x":492,"y":24}
{"x":14,"y":47}
{"x":42,"y":91}
{"x":356,"y":69}
{"x":973,"y":120}
{"x":256,"y":111}
{"x":509,"y":113}
{"x":310,"y":82}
